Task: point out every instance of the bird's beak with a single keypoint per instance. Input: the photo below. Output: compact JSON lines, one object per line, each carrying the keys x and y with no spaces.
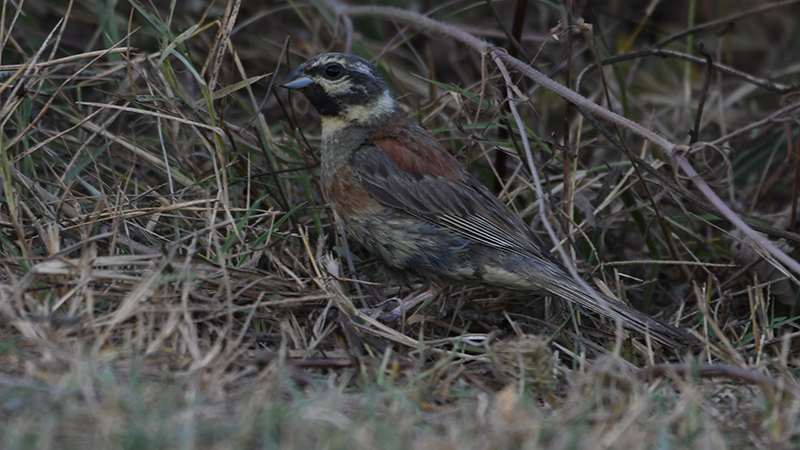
{"x":296,"y":80}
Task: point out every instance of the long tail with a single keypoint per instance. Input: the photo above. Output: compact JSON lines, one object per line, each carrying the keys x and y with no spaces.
{"x":632,"y":319}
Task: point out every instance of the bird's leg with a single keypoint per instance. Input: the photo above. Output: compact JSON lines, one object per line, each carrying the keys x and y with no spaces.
{"x":377,"y":293}
{"x":395,"y":316}
{"x":374,"y":294}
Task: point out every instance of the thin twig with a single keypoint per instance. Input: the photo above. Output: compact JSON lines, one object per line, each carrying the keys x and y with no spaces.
{"x":764,"y":83}
{"x":710,"y":371}
{"x":513,"y":40}
{"x":792,"y":264}
{"x":67,"y":59}
{"x":698,"y":117}
{"x":725,"y":21}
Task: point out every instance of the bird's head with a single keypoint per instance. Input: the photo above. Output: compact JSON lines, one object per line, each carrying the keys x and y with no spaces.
{"x":345,"y":89}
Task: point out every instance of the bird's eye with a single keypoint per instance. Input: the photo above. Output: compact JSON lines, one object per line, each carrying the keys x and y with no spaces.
{"x":333,"y":71}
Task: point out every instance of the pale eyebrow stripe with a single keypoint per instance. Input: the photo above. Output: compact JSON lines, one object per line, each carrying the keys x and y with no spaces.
{"x":363,"y":68}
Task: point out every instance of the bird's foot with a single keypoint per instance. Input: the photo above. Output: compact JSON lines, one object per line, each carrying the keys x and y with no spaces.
{"x":394,"y":317}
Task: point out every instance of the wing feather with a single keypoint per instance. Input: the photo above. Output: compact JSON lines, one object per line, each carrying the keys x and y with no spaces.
{"x":393,"y":170}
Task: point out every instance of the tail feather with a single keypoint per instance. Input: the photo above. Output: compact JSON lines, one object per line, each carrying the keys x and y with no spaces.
{"x":631,"y":318}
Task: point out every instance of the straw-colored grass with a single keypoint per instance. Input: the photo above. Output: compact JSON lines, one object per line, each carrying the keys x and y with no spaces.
{"x":173,"y":278}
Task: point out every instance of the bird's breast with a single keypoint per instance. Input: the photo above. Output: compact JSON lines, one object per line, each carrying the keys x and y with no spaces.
{"x":345,"y":194}
{"x":398,"y":239}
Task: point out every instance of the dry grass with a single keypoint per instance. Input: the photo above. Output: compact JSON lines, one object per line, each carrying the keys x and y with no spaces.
{"x":172,"y":279}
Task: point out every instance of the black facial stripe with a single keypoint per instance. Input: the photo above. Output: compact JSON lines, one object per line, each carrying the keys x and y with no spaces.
{"x":322,"y":101}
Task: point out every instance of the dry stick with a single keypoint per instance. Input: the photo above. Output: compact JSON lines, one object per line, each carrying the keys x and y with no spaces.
{"x":686,"y":195}
{"x":514,"y":48}
{"x":281,"y":198}
{"x":65,"y":60}
{"x":767,"y":245}
{"x":517,"y":17}
{"x":752,"y":126}
{"x":682,"y":192}
{"x":220,"y":45}
{"x":570,"y":181}
{"x":725,"y":21}
{"x":5,"y":33}
{"x":656,"y":50}
{"x":777,"y":175}
{"x":157,"y":114}
{"x":284,"y":50}
{"x":540,"y":197}
{"x":673,"y":149}
{"x":662,"y":223}
{"x":760,"y":82}
{"x":308,"y":155}
{"x":793,"y":222}
{"x":701,"y":103}
{"x":768,"y":384}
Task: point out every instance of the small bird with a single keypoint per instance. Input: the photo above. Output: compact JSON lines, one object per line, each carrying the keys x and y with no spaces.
{"x":400,"y":194}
